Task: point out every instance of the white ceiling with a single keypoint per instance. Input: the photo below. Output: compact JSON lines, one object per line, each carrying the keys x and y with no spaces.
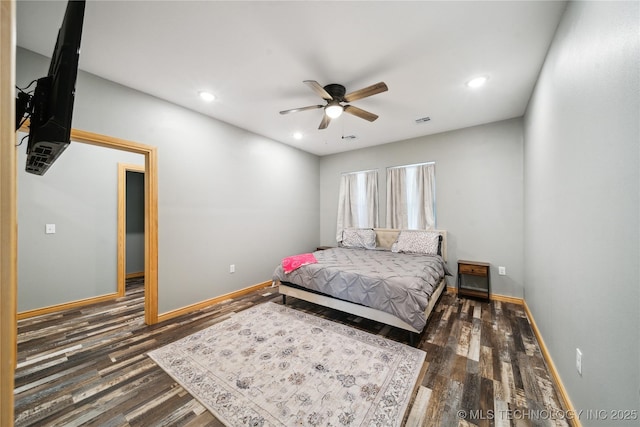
{"x":254,"y":57}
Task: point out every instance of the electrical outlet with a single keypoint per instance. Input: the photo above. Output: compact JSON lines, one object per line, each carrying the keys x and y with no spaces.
{"x":232,"y":268}
{"x":579,"y":360}
{"x":50,"y":228}
{"x":502,"y":271}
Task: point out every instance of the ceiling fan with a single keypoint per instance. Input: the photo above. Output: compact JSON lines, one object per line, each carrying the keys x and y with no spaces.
{"x":334,"y":94}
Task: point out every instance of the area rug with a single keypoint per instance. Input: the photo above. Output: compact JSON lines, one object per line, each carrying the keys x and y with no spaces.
{"x":271,"y":365}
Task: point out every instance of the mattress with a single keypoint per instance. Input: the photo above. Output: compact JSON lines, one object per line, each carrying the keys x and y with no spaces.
{"x":397,"y":283}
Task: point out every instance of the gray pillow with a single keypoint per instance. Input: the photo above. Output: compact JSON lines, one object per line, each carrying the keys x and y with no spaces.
{"x":359,"y":238}
{"x":417,"y":242}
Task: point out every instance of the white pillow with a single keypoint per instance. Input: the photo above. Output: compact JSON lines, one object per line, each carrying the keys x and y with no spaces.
{"x":417,"y":242}
{"x":359,"y":238}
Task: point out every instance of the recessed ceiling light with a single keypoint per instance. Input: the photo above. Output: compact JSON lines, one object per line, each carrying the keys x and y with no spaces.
{"x":207,"y":96}
{"x":297,"y":135}
{"x":477,"y":81}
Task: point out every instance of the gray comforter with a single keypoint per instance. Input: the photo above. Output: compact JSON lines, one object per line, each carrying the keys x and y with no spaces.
{"x":397,"y":283}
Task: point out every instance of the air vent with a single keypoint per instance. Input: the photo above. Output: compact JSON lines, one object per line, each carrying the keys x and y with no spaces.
{"x":423,"y":120}
{"x":349,"y":137}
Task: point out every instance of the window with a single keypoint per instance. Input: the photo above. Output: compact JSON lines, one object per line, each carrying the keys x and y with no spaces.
{"x":358,"y":201}
{"x":411,"y":197}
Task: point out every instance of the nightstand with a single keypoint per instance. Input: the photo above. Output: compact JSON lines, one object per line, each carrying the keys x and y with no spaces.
{"x":473,"y":279}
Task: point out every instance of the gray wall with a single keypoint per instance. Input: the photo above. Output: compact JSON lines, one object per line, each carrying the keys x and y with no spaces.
{"x":582,"y":200}
{"x":79,"y":195}
{"x":478,"y":193}
{"x":134,"y":262}
{"x":226,"y":196}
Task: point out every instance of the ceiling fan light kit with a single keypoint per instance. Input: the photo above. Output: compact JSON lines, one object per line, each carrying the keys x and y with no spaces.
{"x":334,"y":95}
{"x":333,"y":110}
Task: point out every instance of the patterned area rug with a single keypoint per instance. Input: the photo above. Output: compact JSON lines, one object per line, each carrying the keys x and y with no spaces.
{"x":271,"y":365}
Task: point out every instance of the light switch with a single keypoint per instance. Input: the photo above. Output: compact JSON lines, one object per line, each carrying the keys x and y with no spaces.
{"x":50,"y":228}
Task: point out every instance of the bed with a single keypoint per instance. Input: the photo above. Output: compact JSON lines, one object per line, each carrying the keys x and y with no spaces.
{"x":391,"y":276}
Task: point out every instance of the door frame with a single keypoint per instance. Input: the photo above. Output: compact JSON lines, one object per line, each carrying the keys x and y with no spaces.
{"x":123,"y":168}
{"x":8,"y":212}
{"x":150,"y":154}
{"x":105,"y":141}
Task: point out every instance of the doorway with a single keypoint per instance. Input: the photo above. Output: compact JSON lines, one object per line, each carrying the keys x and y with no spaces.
{"x":150,"y":209}
{"x":131,"y":220}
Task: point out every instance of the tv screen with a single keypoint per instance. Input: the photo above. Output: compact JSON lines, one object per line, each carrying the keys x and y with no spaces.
{"x":51,"y":106}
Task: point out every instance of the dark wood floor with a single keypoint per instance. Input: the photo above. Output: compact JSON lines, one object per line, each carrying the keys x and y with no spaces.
{"x":89,"y":367}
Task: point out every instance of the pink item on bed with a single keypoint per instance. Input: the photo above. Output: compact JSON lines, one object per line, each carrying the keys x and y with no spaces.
{"x":296,"y":261}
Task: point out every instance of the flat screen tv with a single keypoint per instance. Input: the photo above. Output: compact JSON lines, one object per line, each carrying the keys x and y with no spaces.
{"x":50,"y":108}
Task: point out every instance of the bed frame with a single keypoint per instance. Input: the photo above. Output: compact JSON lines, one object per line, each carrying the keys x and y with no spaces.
{"x":385,"y":237}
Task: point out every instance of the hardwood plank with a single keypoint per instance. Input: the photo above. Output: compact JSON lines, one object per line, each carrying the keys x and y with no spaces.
{"x":458,"y":369}
{"x":471,"y":395}
{"x":486,"y":362}
{"x":508,"y":387}
{"x":501,"y":409}
{"x":462,"y":348}
{"x":204,"y":419}
{"x":474,"y":340}
{"x":485,"y":402}
{"x":435,"y":408}
{"x":419,"y":408}
{"x":452,"y":401}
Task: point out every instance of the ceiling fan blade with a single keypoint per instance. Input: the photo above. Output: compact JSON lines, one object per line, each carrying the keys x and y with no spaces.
{"x":325,"y":122}
{"x":315,"y":86}
{"x":295,"y":110}
{"x":359,"y":112}
{"x":367,"y":91}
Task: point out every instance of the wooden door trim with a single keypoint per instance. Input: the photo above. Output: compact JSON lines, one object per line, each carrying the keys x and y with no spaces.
{"x":8,"y":212}
{"x":150,"y":208}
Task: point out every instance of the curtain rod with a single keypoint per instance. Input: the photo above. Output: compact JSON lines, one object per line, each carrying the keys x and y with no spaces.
{"x":409,"y":166}
{"x":351,"y":173}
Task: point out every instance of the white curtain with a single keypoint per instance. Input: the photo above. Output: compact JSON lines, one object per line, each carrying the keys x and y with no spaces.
{"x":358,"y":201}
{"x":411,"y":197}
{"x":396,"y":198}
